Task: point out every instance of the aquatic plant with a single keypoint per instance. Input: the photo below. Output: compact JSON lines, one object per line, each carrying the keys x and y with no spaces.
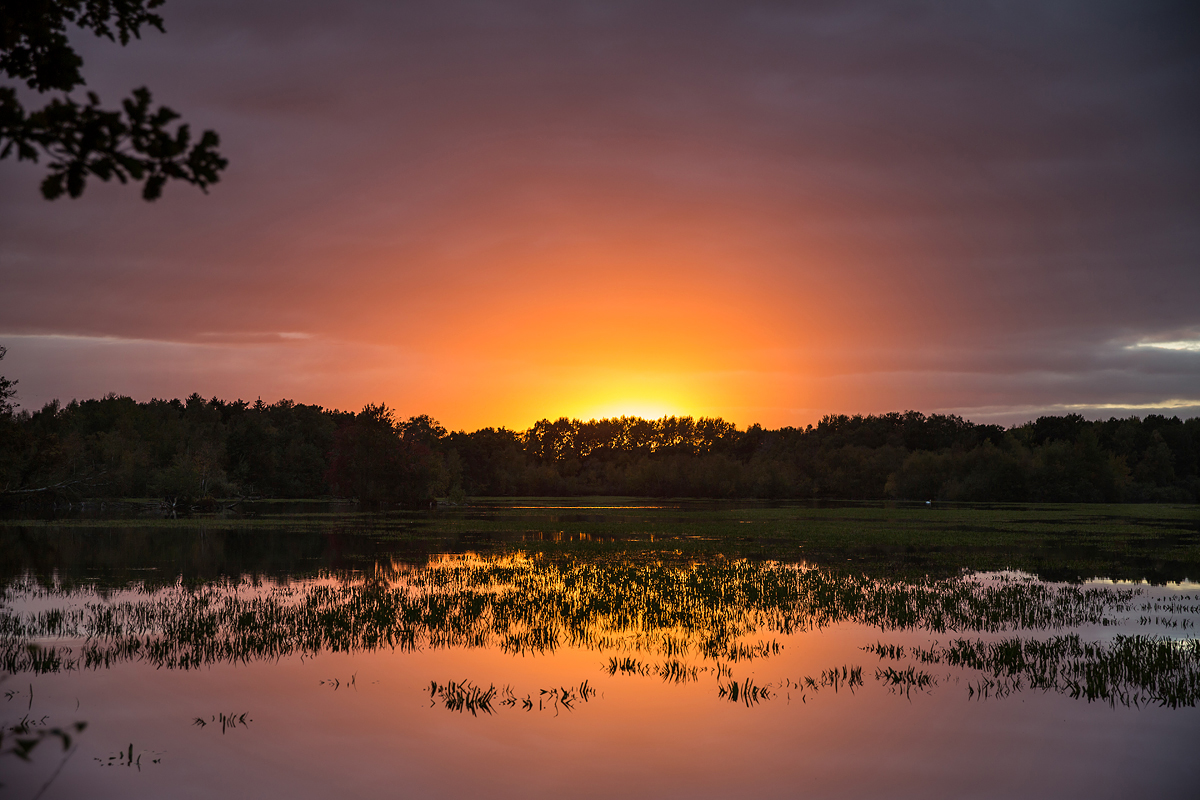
{"x":1129,"y":670}
{"x":226,"y":721}
{"x":723,"y":613}
{"x":534,"y":605}
{"x":465,"y":696}
{"x":747,"y":692}
{"x":903,"y":681}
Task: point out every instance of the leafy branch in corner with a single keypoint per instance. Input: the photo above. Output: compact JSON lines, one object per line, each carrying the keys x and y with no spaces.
{"x":135,"y":143}
{"x":84,"y":140}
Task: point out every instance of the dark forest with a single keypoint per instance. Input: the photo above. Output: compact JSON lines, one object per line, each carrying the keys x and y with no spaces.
{"x":195,"y":452}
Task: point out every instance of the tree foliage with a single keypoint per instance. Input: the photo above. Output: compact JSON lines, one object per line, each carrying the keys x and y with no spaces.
{"x":135,"y":143}
{"x":377,"y":460}
{"x":7,"y":390}
{"x":187,"y":450}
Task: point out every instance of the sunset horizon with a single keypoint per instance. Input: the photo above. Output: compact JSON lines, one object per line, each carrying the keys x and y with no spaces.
{"x":763,"y":213}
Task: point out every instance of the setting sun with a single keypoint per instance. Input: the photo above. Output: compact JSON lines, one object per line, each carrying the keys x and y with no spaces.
{"x":646,"y":409}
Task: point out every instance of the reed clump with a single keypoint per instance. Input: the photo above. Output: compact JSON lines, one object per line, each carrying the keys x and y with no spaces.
{"x":654,"y":617}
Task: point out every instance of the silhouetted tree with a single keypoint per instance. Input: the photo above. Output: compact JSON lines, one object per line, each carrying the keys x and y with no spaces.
{"x":7,"y":390}
{"x":10,"y":433}
{"x":368,"y":457}
{"x":189,"y":449}
{"x":372,"y":462}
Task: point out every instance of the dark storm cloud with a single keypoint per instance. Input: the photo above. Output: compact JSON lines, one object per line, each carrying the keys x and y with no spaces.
{"x":1014,"y":187}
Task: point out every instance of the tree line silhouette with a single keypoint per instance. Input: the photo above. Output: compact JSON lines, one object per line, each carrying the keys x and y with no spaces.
{"x":198,"y":450}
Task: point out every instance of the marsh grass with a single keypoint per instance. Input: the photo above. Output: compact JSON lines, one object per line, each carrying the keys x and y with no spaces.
{"x":904,"y":681}
{"x":671,"y":671}
{"x":675,"y":671}
{"x":748,"y":693}
{"x":835,"y":678}
{"x":626,"y":665}
{"x":523,"y":604}
{"x":463,"y":697}
{"x":650,"y":617}
{"x":226,"y":721}
{"x":467,"y":697}
{"x":127,"y":758}
{"x":1129,"y":670}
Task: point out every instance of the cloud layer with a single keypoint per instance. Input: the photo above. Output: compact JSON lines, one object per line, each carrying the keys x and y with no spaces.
{"x":493,"y":212}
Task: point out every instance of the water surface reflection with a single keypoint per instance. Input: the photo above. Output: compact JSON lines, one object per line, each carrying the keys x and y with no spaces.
{"x":517,"y":673}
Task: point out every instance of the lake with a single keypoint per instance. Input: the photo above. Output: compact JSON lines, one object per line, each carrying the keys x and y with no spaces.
{"x":545,"y":648}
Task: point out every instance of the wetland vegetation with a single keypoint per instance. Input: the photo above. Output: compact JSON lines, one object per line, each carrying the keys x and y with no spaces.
{"x":677,"y":594}
{"x":571,"y":612}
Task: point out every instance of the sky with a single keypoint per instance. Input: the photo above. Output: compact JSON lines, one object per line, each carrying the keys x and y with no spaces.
{"x":497,"y":212}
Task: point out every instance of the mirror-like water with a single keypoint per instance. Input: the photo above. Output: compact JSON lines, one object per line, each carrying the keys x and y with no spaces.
{"x":353,"y":669}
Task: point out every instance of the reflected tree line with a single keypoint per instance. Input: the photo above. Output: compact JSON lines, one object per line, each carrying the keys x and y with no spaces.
{"x":199,"y":451}
{"x":110,"y":559}
{"x":706,"y":617}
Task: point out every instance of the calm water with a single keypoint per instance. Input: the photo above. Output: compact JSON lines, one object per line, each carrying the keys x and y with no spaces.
{"x":334,"y":664}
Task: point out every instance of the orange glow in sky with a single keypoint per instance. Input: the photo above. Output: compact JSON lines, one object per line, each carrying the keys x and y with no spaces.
{"x":764,"y":213}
